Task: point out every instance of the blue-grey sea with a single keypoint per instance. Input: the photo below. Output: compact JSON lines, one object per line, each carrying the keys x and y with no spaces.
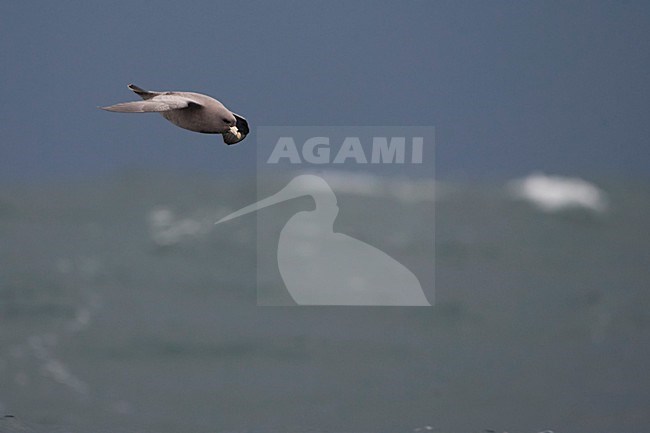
{"x":123,"y":308}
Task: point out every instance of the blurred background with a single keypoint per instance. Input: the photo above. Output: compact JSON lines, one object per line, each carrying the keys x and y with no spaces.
{"x":123,"y":309}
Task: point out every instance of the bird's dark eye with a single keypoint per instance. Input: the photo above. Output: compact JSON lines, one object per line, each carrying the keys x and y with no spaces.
{"x":226,"y":120}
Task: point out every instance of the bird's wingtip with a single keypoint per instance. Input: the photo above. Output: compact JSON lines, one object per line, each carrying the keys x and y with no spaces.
{"x":137,"y":89}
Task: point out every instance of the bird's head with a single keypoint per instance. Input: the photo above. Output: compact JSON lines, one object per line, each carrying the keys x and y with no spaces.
{"x":235,"y":127}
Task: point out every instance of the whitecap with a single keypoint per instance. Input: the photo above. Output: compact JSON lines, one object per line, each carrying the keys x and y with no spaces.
{"x":370,"y":185}
{"x":557,"y":193}
{"x":166,"y":229}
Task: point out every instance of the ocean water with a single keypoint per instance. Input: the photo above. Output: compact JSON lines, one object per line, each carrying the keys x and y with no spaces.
{"x":123,"y":309}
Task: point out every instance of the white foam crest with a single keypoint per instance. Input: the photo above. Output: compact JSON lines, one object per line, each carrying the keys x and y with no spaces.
{"x":557,"y":193}
{"x":166,"y":229}
{"x":42,"y":347}
{"x":354,"y":183}
{"x":59,"y":372}
{"x":370,"y":185}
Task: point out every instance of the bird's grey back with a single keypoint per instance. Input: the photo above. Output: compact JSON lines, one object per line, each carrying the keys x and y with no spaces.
{"x":205,"y":100}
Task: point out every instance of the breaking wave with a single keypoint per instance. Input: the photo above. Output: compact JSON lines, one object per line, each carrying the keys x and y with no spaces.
{"x":558,"y":193}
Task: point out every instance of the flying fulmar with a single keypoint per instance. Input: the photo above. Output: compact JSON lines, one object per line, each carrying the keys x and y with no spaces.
{"x":189,"y":110}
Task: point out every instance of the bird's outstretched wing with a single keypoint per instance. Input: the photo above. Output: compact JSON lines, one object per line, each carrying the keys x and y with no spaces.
{"x":157,"y":104}
{"x":242,"y":131}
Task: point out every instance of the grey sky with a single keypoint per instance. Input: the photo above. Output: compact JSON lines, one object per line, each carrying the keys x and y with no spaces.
{"x":510,"y":86}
